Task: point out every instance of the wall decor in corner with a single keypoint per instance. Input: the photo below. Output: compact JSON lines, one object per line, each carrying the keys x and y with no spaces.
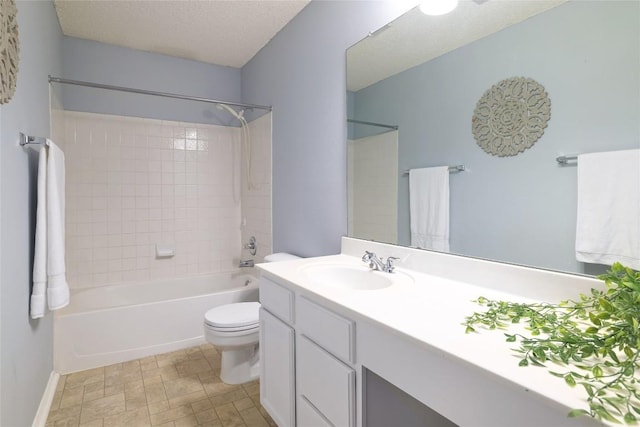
{"x":511,"y":116}
{"x":9,"y":49}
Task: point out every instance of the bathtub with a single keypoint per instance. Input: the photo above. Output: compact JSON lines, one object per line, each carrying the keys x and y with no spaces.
{"x":111,"y":324}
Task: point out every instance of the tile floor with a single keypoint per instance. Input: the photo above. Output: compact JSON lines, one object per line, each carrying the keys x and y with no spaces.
{"x":175,"y":389}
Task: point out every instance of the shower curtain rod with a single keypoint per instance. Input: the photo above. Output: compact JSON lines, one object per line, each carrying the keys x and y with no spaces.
{"x":150,"y":92}
{"x":360,"y":122}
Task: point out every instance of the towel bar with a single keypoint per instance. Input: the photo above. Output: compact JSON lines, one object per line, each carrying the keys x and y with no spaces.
{"x":27,"y":139}
{"x":456,"y":168}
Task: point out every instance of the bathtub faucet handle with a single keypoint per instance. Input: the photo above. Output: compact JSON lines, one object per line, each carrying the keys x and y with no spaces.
{"x":252,"y":246}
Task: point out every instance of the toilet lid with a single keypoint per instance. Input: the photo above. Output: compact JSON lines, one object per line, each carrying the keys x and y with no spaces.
{"x":233,"y":315}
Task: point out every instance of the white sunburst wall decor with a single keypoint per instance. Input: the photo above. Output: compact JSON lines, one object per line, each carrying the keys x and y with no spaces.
{"x":511,"y":116}
{"x":9,"y":49}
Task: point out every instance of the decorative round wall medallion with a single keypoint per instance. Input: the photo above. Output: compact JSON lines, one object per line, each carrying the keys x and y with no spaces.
{"x":511,"y":116}
{"x":9,"y":49}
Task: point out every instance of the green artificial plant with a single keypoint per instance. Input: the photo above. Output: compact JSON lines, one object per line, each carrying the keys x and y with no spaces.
{"x":595,"y":340}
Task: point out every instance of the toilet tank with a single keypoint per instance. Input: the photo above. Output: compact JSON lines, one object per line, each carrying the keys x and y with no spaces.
{"x":280,"y":256}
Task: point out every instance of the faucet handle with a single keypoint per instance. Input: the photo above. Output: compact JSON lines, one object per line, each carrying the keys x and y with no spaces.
{"x":389,"y":267}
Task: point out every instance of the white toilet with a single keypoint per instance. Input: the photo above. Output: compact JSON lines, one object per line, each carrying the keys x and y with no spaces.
{"x":234,"y":330}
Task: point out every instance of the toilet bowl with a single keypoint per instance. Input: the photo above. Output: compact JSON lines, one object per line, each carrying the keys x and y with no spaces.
{"x":234,"y":329}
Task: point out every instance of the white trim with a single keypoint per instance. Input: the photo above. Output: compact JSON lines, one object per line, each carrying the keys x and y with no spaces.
{"x":47,"y":398}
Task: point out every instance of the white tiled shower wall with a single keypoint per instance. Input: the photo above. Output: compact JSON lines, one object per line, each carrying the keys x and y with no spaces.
{"x":373,"y":187}
{"x":133,"y":183}
{"x":256,"y":201}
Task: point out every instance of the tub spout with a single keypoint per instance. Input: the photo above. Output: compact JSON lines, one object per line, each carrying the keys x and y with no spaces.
{"x":246,"y":263}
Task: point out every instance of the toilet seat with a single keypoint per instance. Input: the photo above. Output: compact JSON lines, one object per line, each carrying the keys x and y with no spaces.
{"x":233,"y":317}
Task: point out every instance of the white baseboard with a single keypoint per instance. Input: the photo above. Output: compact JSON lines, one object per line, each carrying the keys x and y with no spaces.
{"x":47,"y":398}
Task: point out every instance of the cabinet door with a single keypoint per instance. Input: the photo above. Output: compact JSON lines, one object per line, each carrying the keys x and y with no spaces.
{"x":326,"y":383}
{"x":277,"y":391}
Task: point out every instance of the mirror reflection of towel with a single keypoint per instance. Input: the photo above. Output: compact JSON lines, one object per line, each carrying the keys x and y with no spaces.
{"x":608,"y":222}
{"x":429,"y":208}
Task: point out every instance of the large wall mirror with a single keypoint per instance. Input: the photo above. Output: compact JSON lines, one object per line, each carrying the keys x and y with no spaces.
{"x":425,"y":74}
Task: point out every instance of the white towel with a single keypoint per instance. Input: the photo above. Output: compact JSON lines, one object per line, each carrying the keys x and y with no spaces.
{"x":49,"y":257}
{"x":429,"y":208}
{"x":608,"y":223}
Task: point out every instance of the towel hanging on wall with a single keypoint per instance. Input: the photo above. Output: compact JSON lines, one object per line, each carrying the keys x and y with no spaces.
{"x":608,"y":220}
{"x":50,"y":287}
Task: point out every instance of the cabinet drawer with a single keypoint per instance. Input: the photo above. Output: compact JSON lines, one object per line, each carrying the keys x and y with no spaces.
{"x":328,"y":329}
{"x":277,"y":299}
{"x":327,"y":383}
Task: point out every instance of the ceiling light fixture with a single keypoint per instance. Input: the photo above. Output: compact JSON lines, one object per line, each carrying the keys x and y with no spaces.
{"x":437,"y":7}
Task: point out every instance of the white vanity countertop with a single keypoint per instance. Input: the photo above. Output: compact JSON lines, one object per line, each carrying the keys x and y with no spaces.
{"x":430,"y":311}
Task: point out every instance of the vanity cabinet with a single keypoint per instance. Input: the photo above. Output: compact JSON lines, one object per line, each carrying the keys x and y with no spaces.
{"x":277,"y":383}
{"x":307,"y":360}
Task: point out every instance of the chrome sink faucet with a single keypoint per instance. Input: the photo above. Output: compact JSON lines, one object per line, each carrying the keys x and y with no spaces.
{"x":378,"y":264}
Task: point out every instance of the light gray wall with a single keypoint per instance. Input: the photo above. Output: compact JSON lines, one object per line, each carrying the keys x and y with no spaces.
{"x":301,"y":73}
{"x":26,"y":346}
{"x":519,"y":209}
{"x":96,"y":62}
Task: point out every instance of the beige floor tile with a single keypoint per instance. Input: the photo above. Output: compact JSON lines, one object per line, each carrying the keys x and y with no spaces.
{"x":85,"y":377}
{"x":62,"y":413}
{"x":66,"y":422}
{"x":229,"y":416}
{"x":207,"y":416}
{"x":187,"y":399}
{"x":167,"y":373}
{"x":113,"y":389}
{"x":159,"y":406}
{"x":171,"y":415}
{"x":252,"y":389}
{"x":232,"y":396}
{"x":243,"y":403}
{"x":55,"y":403}
{"x":182,"y":386}
{"x":61,"y":382}
{"x":252,"y":417}
{"x":104,"y":407}
{"x":134,"y":391}
{"x":177,"y":389}
{"x":94,"y":423}
{"x":201,"y":405}
{"x":135,"y":418}
{"x":93,"y":391}
{"x":71,"y":396}
{"x":215,"y":386}
{"x":191,"y":367}
{"x":189,"y":421}
{"x":155,"y":392}
{"x":171,"y":358}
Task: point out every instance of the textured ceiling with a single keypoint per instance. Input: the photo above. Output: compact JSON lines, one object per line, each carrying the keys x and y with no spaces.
{"x":223,"y":32}
{"x":415,"y":38}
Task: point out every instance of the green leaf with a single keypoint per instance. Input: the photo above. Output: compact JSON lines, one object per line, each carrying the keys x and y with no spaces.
{"x":523,"y":362}
{"x":629,"y":418}
{"x":510,"y":338}
{"x":578,"y":413}
{"x":605,"y":304}
{"x":570,"y":380}
{"x":469,"y":329}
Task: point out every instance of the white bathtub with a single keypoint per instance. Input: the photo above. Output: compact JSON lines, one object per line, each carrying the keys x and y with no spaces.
{"x":113,"y":324}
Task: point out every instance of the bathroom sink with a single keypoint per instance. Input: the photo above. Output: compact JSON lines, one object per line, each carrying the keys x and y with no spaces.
{"x":359,"y":278}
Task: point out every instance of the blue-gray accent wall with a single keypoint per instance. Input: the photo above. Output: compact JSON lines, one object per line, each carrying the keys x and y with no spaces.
{"x":26,"y":346}
{"x":301,"y":73}
{"x":520,"y":209}
{"x":96,"y":62}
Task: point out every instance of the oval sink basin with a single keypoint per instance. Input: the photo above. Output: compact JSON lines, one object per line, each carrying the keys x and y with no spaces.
{"x":352,"y":277}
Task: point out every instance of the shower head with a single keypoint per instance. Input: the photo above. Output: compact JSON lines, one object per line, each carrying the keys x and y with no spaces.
{"x":238,"y":115}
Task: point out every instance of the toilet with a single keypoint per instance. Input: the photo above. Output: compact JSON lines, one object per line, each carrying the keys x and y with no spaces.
{"x":234,"y":330}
